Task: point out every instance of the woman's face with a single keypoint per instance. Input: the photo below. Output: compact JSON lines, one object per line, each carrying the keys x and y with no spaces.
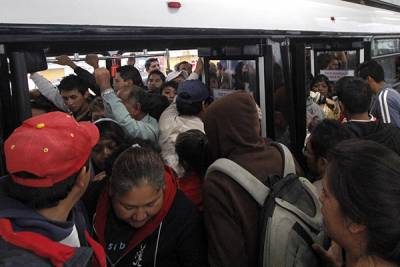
{"x":321,"y":87}
{"x":140,"y":204}
{"x":104,"y":148}
{"x":336,"y":224}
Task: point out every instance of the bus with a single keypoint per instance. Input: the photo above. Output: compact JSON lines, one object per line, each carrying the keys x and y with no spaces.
{"x":274,"y":46}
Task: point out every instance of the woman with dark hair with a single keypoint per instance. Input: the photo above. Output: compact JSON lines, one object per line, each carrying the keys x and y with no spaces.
{"x":361,"y":203}
{"x":321,"y":92}
{"x":142,"y":220}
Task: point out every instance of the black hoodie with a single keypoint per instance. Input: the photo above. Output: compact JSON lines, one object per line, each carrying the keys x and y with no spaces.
{"x":383,"y":133}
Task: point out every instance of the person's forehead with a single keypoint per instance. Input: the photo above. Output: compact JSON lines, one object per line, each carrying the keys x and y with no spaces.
{"x":154,"y":63}
{"x":140,"y":195}
{"x":73,"y":92}
{"x":169,"y":88}
{"x":155,"y":76}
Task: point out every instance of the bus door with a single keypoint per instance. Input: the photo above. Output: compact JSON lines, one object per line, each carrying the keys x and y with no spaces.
{"x":229,"y":69}
{"x":313,"y":59}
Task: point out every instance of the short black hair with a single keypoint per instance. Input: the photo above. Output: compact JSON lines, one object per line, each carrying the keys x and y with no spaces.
{"x":96,"y":104}
{"x":138,"y":96}
{"x":180,"y":63}
{"x":172,"y":84}
{"x":355,"y":94}
{"x":320,"y":78}
{"x":155,"y":104}
{"x":129,"y":72}
{"x":188,"y":109}
{"x":72,"y":82}
{"x":159,"y":73}
{"x":111,"y":130}
{"x":40,"y":102}
{"x":370,"y":68}
{"x":191,"y":148}
{"x":40,"y":198}
{"x":363,"y":177}
{"x":325,"y":135}
{"x":148,"y":62}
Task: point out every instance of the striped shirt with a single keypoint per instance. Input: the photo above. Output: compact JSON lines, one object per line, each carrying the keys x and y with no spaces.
{"x":386,"y":106}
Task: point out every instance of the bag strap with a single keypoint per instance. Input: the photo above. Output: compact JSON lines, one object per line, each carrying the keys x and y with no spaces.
{"x":288,"y":160}
{"x":250,"y":183}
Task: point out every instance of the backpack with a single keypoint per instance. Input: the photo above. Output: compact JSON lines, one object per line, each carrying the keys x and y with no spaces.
{"x":290,"y":217}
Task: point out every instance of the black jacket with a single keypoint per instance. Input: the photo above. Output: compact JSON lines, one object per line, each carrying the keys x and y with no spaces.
{"x":177,"y":240}
{"x":384,"y":133}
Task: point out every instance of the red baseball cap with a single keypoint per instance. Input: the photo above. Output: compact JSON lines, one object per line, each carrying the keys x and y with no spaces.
{"x":52,"y":146}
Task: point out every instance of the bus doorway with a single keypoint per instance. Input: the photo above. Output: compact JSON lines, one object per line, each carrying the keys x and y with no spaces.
{"x":316,"y":60}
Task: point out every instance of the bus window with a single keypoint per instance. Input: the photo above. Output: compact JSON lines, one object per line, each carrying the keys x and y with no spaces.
{"x":391,"y":67}
{"x":226,"y":76}
{"x":336,"y":64}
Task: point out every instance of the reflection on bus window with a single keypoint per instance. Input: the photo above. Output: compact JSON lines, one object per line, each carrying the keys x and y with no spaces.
{"x":391,"y":67}
{"x":336,"y":64}
{"x":226,"y":76}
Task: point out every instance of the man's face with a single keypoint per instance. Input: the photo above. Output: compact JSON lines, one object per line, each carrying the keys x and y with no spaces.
{"x":154,"y":65}
{"x":120,"y":83}
{"x":186,"y":67}
{"x":169,"y":92}
{"x":74,"y":100}
{"x":154,"y":83}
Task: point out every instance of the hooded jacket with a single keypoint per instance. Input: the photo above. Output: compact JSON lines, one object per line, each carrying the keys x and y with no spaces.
{"x":174,"y":237}
{"x":230,"y":213}
{"x":29,"y":239}
{"x":383,"y":133}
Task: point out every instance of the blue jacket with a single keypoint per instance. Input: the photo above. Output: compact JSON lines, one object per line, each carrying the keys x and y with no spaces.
{"x":146,"y":129}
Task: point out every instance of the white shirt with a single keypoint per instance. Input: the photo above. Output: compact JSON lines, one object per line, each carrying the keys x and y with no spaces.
{"x":171,"y":125}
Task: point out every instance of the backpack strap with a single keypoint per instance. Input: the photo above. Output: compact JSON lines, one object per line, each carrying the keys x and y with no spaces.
{"x":250,"y":183}
{"x":288,"y":160}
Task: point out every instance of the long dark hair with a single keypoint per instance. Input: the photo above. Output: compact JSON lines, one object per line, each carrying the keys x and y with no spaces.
{"x":365,"y":180}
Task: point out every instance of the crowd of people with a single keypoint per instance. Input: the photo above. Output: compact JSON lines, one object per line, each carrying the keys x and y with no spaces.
{"x":119,"y":178}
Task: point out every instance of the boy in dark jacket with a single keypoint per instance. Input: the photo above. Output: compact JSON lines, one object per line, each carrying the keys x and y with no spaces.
{"x":40,"y":223}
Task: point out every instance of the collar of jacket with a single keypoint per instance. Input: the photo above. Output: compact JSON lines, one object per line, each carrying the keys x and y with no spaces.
{"x":103,"y":205}
{"x":42,"y":246}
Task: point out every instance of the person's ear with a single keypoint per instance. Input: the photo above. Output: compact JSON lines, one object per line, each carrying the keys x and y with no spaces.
{"x":137,"y":107}
{"x":129,"y":83}
{"x":370,"y":80}
{"x":86,"y":94}
{"x":356,"y":228}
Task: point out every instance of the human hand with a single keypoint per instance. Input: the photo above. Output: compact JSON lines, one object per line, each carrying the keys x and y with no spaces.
{"x":332,"y":257}
{"x":65,"y":61}
{"x":92,"y":60}
{"x":100,"y":176}
{"x":102,"y":76}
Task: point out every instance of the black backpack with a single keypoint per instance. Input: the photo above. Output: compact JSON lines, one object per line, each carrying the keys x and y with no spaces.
{"x":291,"y":219}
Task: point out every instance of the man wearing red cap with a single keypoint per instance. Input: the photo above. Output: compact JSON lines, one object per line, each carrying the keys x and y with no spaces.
{"x":41,"y":221}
